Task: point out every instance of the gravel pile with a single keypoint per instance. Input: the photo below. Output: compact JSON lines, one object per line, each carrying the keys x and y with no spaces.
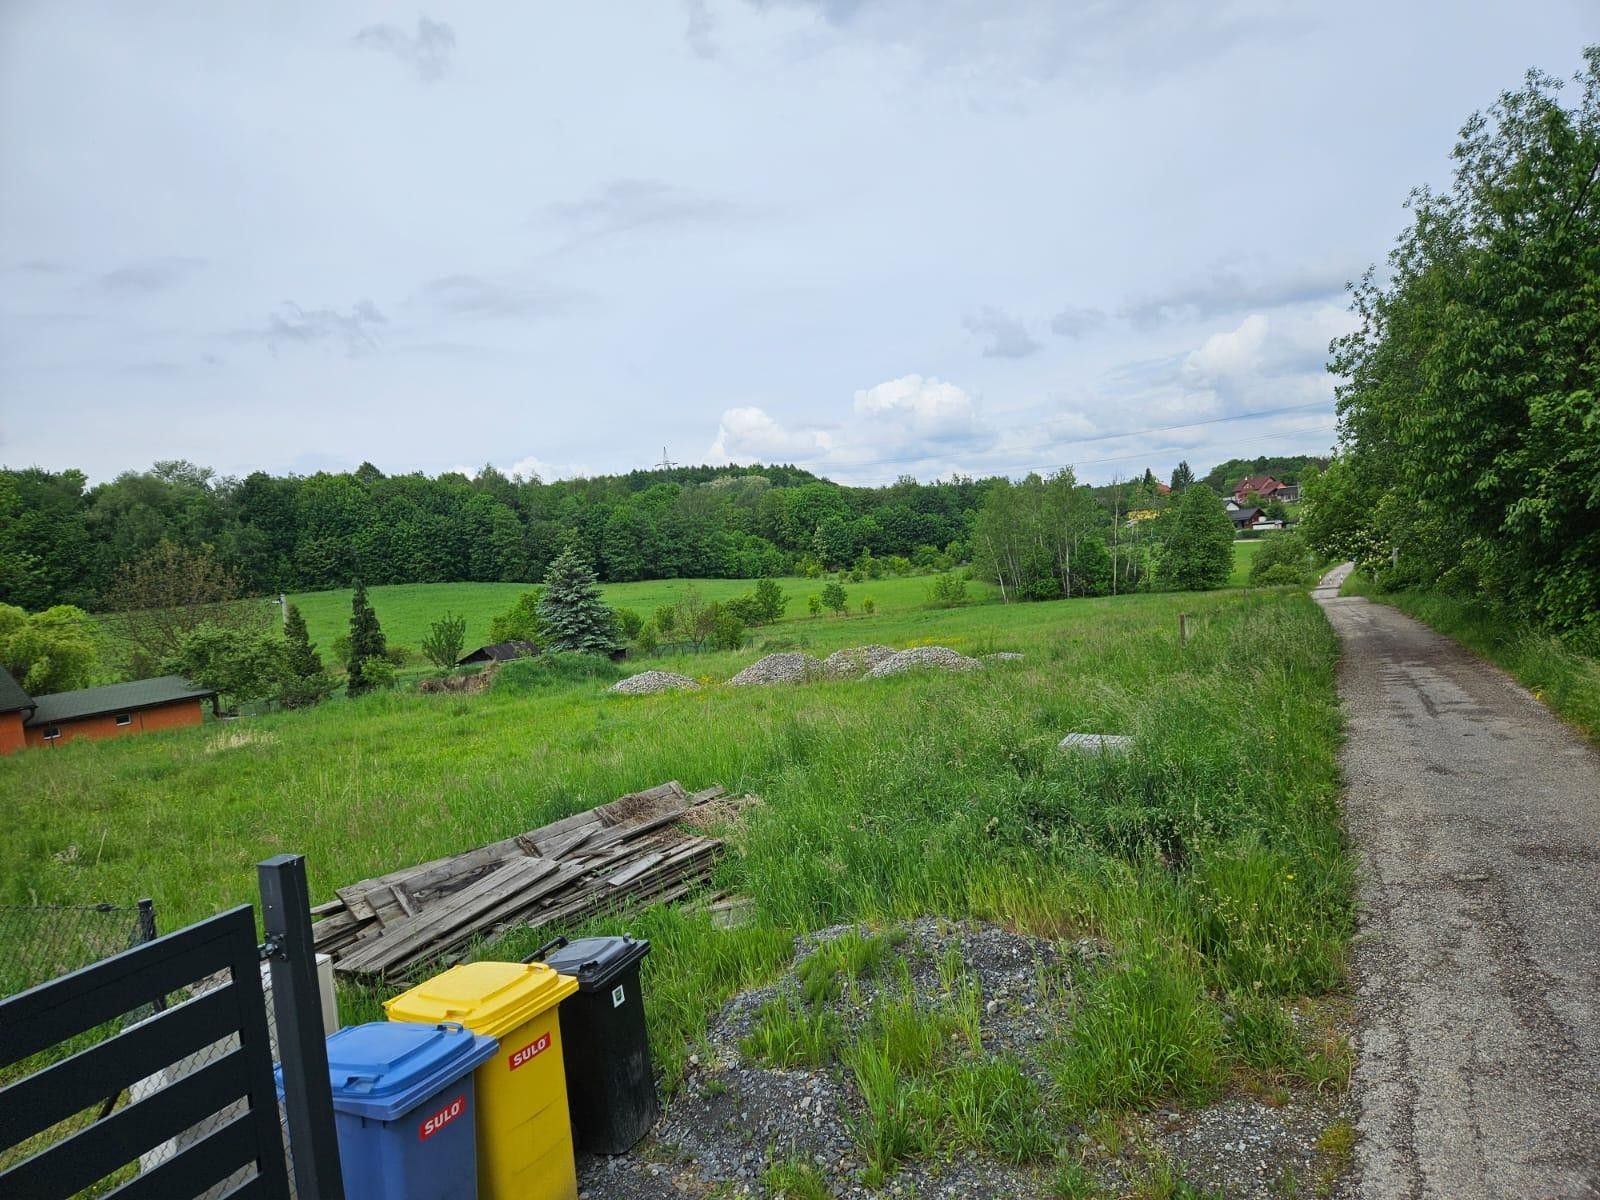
{"x":940,"y":658}
{"x":855,"y":661}
{"x":792,"y":666}
{"x":650,"y":682}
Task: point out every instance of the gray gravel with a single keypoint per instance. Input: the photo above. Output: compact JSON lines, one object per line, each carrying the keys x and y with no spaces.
{"x":1476,"y":814}
{"x":940,"y":658}
{"x":791,"y":666}
{"x":855,"y":661}
{"x":649,"y":682}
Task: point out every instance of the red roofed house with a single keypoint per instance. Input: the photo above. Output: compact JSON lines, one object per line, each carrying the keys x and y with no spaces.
{"x":1264,"y":486}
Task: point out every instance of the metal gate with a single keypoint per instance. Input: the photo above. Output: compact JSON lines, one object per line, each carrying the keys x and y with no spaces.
{"x":61,"y":1074}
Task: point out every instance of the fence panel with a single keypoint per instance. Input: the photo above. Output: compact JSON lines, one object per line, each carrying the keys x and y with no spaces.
{"x":204,"y":1111}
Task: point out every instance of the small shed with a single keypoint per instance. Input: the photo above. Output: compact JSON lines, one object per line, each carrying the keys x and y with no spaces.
{"x":142,"y":706}
{"x":499,"y":652}
{"x":1246,"y":518}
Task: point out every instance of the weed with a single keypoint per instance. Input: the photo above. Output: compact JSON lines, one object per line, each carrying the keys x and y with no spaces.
{"x":1074,"y":1181}
{"x":794,"y":1179}
{"x":790,"y":1034}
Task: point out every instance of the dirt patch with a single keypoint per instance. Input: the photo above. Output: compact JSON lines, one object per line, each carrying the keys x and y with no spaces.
{"x":478,"y":681}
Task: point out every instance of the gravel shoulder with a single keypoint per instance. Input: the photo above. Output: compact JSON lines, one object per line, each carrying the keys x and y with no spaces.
{"x":1476,"y":815}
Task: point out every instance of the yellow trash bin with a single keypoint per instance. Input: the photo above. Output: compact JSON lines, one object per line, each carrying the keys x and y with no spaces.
{"x":524,"y":1132}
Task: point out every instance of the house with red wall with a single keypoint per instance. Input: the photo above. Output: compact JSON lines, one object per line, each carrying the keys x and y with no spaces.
{"x":141,"y":706}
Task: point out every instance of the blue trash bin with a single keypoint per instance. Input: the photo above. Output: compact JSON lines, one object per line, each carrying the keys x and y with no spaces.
{"x":404,"y":1107}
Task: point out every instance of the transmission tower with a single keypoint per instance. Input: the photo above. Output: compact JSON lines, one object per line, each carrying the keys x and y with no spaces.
{"x":666,"y":464}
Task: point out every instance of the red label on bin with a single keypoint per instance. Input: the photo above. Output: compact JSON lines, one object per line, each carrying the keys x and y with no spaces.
{"x":442,"y":1118}
{"x":531,"y":1051}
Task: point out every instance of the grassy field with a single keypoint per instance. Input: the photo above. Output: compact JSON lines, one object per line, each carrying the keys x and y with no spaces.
{"x":1211,"y":858}
{"x":406,"y":610}
{"x":1569,"y":682}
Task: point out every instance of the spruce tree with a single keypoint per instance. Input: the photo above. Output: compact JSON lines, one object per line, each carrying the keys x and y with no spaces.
{"x":366,"y":640}
{"x":571,"y":611}
{"x":1182,"y":477}
{"x":304,"y":661}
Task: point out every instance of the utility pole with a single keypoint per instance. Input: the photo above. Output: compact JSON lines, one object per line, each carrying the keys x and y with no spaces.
{"x":666,"y":464}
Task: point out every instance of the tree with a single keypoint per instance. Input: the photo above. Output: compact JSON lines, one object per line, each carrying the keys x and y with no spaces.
{"x":571,"y":611}
{"x":306,"y":681}
{"x":167,"y":593}
{"x":241,"y":664}
{"x":444,"y":640}
{"x":1470,"y":414}
{"x":1282,"y":559}
{"x":770,"y":600}
{"x":1182,"y":477}
{"x":629,"y":623}
{"x":1198,"y":549}
{"x":521,"y":622}
{"x":949,"y":590}
{"x":666,"y":619}
{"x":53,"y":651}
{"x":367,"y":646}
{"x":814,"y":604}
{"x":833,"y":597}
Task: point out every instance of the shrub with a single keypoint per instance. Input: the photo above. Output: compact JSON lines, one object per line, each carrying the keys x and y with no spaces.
{"x":770,"y":600}
{"x":948,"y":590}
{"x":1283,"y":558}
{"x":646,"y":641}
{"x":376,"y":673}
{"x":834,"y":597}
{"x":666,"y":619}
{"x":444,"y":640}
{"x":727,"y":630}
{"x":814,"y":603}
{"x":869,"y":605}
{"x":398,"y":656}
{"x":629,"y":623}
{"x":241,"y":664}
{"x":520,"y":622}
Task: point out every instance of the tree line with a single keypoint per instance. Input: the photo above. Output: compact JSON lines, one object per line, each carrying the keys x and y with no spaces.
{"x":64,"y":542}
{"x":1470,"y":411}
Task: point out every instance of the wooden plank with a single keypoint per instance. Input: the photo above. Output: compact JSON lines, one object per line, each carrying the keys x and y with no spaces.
{"x":633,"y":870}
{"x":355,"y":901}
{"x":417,"y":933}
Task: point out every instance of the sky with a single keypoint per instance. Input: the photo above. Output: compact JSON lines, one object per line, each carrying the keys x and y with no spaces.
{"x":870,"y":237}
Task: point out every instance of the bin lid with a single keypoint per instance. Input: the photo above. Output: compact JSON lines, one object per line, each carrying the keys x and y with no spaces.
{"x":595,"y":962}
{"x":487,"y":997}
{"x":384,"y":1069}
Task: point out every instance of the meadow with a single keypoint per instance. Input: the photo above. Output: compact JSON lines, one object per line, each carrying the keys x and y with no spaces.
{"x":406,"y":610}
{"x":1211,"y":858}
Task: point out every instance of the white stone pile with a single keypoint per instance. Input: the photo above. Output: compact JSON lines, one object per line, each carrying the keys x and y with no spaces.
{"x":650,"y":682}
{"x":791,"y":666}
{"x":939,"y":658}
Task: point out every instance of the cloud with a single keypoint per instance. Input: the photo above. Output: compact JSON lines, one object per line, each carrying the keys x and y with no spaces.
{"x":427,"y":52}
{"x":474,"y":296}
{"x":623,"y":205}
{"x":1008,"y":337}
{"x":150,"y":275}
{"x":292,"y":325}
{"x":922,"y":410}
{"x":1076,"y":322}
{"x":1227,"y":290}
{"x":749,"y":434}
{"x":699,"y":29}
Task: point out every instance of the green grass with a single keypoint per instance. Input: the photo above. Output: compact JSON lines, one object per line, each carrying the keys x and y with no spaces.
{"x":1244,"y":553}
{"x":406,"y":610}
{"x":1563,"y":678}
{"x":1211,"y":857}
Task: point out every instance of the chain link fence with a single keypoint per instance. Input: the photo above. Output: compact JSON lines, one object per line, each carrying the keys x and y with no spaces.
{"x":40,"y":942}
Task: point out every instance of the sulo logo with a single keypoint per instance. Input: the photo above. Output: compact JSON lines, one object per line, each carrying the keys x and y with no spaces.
{"x":442,"y":1118}
{"x":531,"y":1051}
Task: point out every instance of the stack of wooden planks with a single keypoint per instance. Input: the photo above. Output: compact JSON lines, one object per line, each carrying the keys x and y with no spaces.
{"x":639,"y":849}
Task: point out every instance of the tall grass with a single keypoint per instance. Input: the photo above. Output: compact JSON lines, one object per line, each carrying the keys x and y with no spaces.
{"x":1210,"y":857}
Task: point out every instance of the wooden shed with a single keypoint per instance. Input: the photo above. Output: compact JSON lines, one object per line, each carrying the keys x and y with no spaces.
{"x":142,"y":706}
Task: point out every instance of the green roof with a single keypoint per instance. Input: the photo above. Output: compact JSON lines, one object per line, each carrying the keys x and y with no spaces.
{"x":12,"y":697}
{"x":113,"y":698}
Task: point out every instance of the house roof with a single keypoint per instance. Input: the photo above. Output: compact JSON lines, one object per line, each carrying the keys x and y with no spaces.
{"x":1242,"y":515}
{"x":500,"y":652}
{"x":114,"y":698}
{"x":1261,"y":484}
{"x":12,"y":697}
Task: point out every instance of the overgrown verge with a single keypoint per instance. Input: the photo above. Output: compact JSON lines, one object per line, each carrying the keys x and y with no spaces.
{"x":1565,"y":678}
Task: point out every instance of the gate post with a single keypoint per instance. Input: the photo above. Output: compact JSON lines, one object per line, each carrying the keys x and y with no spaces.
{"x":302,"y":1052}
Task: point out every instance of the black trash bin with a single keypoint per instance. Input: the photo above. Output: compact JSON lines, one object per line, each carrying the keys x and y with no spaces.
{"x":610,"y":1087}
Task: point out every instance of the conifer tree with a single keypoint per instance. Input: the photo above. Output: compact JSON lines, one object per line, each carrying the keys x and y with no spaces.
{"x":304,"y":661}
{"x":366,"y":640}
{"x":574,"y":616}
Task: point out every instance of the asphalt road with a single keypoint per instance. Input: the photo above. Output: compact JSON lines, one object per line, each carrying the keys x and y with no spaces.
{"x":1476,"y":817}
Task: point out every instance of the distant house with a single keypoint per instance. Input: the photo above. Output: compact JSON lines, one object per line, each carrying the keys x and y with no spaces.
{"x":500,"y":652}
{"x":1246,"y":518}
{"x":1231,"y":505}
{"x":16,"y":706}
{"x":1266,"y":487}
{"x":1162,"y":489}
{"x":142,"y":706}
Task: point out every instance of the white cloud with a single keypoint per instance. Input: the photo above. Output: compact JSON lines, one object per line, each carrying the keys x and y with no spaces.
{"x":750,"y":434}
{"x":922,"y":409}
{"x":1224,"y":355}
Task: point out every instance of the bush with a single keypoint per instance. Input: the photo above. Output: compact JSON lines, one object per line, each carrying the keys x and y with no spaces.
{"x":834,"y":597}
{"x":444,"y":640}
{"x":646,"y":641}
{"x":377,"y":673}
{"x":666,"y":619}
{"x":240,"y":664}
{"x":1284,"y":558}
{"x":629,"y":623}
{"x":814,"y":603}
{"x":398,"y":656}
{"x":520,"y":622}
{"x":556,"y":669}
{"x":727,"y":630}
{"x":869,"y":605}
{"x":947,"y":591}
